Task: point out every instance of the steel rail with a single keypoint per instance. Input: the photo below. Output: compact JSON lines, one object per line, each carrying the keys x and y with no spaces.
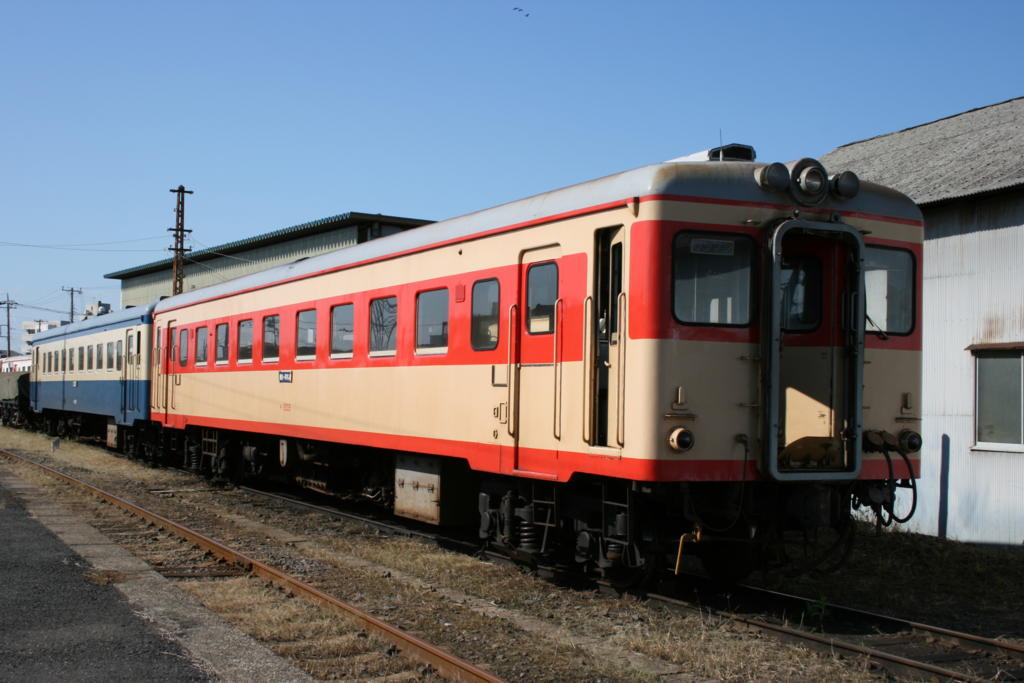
{"x":824,"y":642}
{"x":446,"y":664}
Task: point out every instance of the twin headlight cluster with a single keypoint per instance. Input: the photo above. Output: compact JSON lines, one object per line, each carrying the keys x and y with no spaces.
{"x":807,"y":181}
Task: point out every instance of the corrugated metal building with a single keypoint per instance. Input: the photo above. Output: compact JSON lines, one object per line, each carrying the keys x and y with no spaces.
{"x":966,"y":172}
{"x":144,"y":284}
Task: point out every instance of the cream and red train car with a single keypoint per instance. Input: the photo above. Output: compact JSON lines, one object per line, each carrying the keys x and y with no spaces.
{"x":722,"y":350}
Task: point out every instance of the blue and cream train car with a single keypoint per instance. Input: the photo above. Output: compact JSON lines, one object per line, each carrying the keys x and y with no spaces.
{"x":92,"y":376}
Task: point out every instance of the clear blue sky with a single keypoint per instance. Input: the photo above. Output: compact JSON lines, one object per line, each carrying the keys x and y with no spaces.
{"x":281,"y":113}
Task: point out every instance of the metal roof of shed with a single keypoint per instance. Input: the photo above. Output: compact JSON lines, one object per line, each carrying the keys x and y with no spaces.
{"x":312,"y":227}
{"x":975,"y":152}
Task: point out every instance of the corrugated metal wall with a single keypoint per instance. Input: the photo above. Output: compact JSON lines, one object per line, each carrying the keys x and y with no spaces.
{"x":143,"y":289}
{"x":973,"y":294}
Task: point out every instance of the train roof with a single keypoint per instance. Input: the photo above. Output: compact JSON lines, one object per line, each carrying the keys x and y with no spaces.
{"x":99,"y":323}
{"x":712,"y":180}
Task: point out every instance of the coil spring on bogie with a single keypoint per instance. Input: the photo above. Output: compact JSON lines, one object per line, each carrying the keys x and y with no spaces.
{"x":529,"y":535}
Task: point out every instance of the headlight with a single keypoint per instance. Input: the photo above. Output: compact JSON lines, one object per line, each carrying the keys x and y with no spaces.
{"x":681,"y":439}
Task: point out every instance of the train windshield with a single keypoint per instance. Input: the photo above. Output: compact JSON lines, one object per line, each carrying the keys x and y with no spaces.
{"x":889,"y":290}
{"x":711,"y":278}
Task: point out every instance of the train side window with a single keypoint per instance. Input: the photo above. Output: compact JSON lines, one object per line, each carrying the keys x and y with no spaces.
{"x":221,"y":343}
{"x":202,"y":340}
{"x":183,"y":347}
{"x":138,"y":345}
{"x":81,"y":358}
{"x":63,"y":360}
{"x":271,"y":338}
{"x":71,"y":359}
{"x":485,"y":317}
{"x":244,"y":342}
{"x":305,"y":335}
{"x":384,"y":326}
{"x":89,"y":349}
{"x":119,"y":354}
{"x":110,"y":356}
{"x":712,"y":278}
{"x":432,"y":321}
{"x":541,"y":295}
{"x":99,"y":356}
{"x":889,"y":290}
{"x":342,"y":330}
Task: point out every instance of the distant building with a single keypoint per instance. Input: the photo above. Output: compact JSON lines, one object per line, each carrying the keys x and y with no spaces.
{"x":95,"y":308}
{"x":966,"y":172}
{"x":30,"y":327}
{"x":146,"y":283}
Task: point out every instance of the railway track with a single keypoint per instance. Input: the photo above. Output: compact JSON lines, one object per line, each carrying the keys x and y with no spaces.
{"x":902,"y":647}
{"x":444,"y":663}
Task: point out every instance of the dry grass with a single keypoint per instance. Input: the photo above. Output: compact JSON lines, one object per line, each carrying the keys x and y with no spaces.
{"x":325,"y":644}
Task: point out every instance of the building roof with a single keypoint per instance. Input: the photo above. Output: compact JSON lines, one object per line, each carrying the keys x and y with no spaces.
{"x":976,"y":152}
{"x":311,"y":228}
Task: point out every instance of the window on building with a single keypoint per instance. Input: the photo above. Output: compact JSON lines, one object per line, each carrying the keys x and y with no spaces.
{"x":342,"y":330}
{"x":245,"y":341}
{"x":999,"y":391}
{"x":711,"y":278}
{"x":889,"y":290}
{"x":271,"y":337}
{"x":384,"y":325}
{"x":486,"y":318}
{"x":119,"y":354}
{"x":541,"y":295}
{"x":110,"y":355}
{"x":182,"y":348}
{"x":305,"y":335}
{"x":221,"y":348}
{"x":432,"y":321}
{"x":202,"y":339}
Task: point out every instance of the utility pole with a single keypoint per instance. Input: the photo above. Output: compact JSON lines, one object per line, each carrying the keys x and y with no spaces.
{"x":178,"y":268}
{"x":72,"y":291}
{"x":8,"y":304}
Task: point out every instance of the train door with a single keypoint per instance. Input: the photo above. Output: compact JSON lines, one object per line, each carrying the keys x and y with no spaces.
{"x":536,"y":374}
{"x":607,"y":354}
{"x":128,"y":388}
{"x":815,"y":359}
{"x":164,"y":369}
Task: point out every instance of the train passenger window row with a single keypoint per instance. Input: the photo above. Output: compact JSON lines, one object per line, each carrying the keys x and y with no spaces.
{"x":90,"y":357}
{"x":430,"y":331}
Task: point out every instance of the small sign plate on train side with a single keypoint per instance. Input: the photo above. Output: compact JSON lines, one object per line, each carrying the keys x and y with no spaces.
{"x":284,"y":376}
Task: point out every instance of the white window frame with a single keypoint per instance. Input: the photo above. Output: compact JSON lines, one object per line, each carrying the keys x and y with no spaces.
{"x":996,"y":446}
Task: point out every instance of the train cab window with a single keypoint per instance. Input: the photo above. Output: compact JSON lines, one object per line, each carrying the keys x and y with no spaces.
{"x":485,"y":316}
{"x":221,"y":343}
{"x":202,"y":340}
{"x":99,"y":356}
{"x":541,"y":295}
{"x":110,"y":356}
{"x":305,"y":335}
{"x":889,"y":290}
{"x":119,"y":354}
{"x":244,"y":341}
{"x":271,"y":338}
{"x":89,"y":361}
{"x":383,"y":326}
{"x":342,"y":330}
{"x":801,"y":294}
{"x":711,"y":278}
{"x":182,"y":348}
{"x":432,"y":321}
